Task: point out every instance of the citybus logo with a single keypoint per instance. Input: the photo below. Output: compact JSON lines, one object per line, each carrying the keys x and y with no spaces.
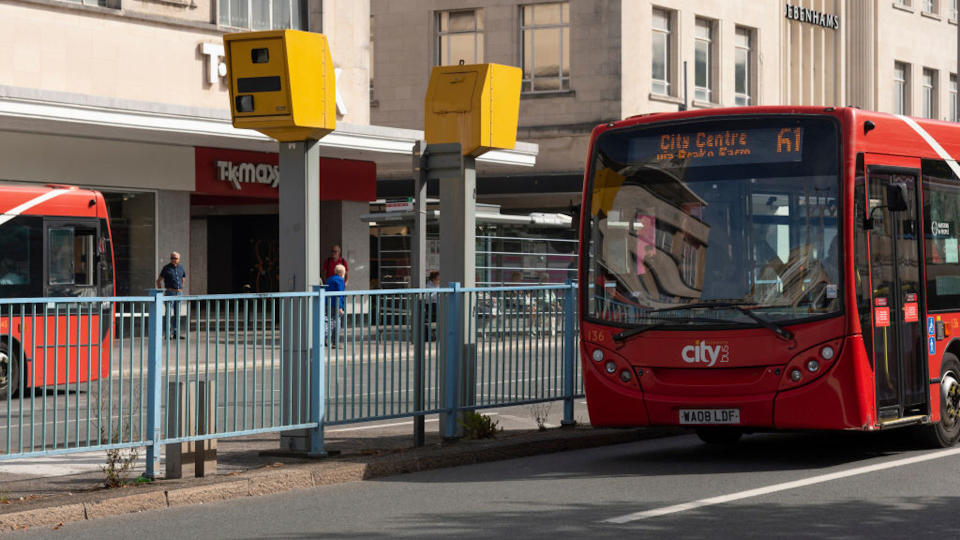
{"x":706,"y":352}
{"x":248,"y":173}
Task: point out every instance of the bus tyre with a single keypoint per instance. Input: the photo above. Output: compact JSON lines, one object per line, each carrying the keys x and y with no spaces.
{"x":712,"y":435}
{"x":9,"y":382}
{"x":946,"y":432}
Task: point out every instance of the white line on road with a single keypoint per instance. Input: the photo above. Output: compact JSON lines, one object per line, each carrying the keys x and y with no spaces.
{"x":395,"y":424}
{"x":377,"y":426}
{"x":657,"y":512}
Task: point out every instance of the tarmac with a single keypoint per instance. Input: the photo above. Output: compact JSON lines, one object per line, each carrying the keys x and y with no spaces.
{"x":253,"y":466}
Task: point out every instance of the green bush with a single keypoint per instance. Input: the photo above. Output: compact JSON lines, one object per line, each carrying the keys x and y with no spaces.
{"x":479,"y":426}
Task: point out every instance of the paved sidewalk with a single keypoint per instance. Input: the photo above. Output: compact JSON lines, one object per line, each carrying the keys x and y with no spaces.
{"x":251,"y":466}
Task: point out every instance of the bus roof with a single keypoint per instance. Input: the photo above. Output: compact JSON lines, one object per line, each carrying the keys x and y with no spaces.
{"x":50,"y":200}
{"x":863,"y":131}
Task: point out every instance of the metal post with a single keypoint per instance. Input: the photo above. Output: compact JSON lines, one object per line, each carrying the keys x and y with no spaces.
{"x":299,"y":270}
{"x":569,"y":346}
{"x":451,"y":364}
{"x":418,"y":263}
{"x":458,"y":259}
{"x":317,"y":374}
{"x":154,"y":356}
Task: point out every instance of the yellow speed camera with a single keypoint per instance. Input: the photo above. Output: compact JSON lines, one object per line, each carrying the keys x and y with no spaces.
{"x":281,"y":83}
{"x":476,"y":105}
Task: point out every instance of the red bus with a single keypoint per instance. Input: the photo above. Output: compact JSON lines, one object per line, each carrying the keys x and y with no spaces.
{"x":772,"y":268}
{"x":54,"y":242}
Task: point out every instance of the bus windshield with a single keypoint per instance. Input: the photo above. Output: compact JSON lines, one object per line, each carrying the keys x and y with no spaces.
{"x":692,"y":223}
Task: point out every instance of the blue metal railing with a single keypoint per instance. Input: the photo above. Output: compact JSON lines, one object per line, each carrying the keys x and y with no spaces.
{"x":94,"y":373}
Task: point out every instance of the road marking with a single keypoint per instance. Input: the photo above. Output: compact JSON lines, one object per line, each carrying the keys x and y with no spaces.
{"x":377,"y":426}
{"x":61,"y":465}
{"x":766,"y":490}
{"x":395,"y":424}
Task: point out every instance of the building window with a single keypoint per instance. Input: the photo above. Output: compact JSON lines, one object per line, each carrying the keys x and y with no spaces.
{"x":953,"y":98}
{"x":263,"y":14}
{"x":371,"y":58}
{"x":545,"y":35}
{"x":743,"y":59}
{"x":953,"y":10}
{"x":902,"y":3}
{"x":661,"y":72}
{"x":704,"y":59}
{"x":101,"y":3}
{"x":133,"y":225}
{"x":929,"y":91}
{"x":901,"y":73}
{"x":459,"y":37}
{"x":928,"y":6}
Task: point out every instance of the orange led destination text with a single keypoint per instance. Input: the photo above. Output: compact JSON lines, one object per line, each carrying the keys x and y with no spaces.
{"x":703,"y":145}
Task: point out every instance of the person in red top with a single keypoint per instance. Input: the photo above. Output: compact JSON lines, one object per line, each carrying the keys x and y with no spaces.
{"x":331,"y":263}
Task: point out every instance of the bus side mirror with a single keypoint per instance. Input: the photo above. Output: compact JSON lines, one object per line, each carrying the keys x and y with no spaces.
{"x":897,"y":197}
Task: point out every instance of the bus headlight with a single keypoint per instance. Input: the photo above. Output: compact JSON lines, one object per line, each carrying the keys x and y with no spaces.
{"x":610,"y":366}
{"x":597,"y":355}
{"x":625,"y":375}
{"x":795,"y":375}
{"x":813,"y":366}
{"x":826,"y":353}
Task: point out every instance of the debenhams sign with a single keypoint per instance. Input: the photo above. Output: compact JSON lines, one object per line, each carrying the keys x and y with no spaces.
{"x":811,"y":16}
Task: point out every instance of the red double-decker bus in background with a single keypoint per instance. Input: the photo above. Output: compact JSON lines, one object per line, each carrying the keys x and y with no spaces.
{"x":54,"y":242}
{"x":772,"y":268}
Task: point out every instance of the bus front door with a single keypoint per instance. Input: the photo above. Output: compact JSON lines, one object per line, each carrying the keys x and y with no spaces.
{"x":899,"y":355}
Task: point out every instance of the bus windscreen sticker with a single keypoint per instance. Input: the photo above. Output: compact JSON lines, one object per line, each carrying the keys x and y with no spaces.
{"x":931,"y":326}
{"x":910,"y":312}
{"x":931,"y":346}
{"x":881,"y":317}
{"x":724,"y":147}
{"x":646,"y":229}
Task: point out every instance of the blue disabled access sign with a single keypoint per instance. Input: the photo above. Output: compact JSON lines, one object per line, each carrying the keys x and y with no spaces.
{"x":931,"y":327}
{"x":932,"y":345}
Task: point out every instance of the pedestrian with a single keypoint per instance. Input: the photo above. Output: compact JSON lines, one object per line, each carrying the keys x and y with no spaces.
{"x":430,"y":317}
{"x":337,"y":303}
{"x":330,"y":264}
{"x":172,"y":278}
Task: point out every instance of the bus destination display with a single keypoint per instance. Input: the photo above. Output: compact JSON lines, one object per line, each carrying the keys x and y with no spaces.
{"x":719,"y":147}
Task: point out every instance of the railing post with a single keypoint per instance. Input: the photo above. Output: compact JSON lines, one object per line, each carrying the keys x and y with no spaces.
{"x":451,"y":379}
{"x":317,"y":373}
{"x":569,"y":347}
{"x":154,"y":356}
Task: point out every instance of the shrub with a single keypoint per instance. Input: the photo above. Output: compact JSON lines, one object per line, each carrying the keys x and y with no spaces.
{"x":479,"y":426}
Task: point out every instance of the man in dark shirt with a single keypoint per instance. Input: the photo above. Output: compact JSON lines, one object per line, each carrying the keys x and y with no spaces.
{"x":172,"y":278}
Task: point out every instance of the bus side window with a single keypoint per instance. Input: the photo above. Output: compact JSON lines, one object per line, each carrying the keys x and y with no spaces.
{"x":71,"y":266}
{"x":61,"y":256}
{"x":84,"y":264}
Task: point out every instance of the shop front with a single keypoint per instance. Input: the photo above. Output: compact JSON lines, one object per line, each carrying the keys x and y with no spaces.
{"x":234,"y":220}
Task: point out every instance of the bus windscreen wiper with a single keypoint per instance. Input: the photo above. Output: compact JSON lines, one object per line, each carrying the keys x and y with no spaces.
{"x":740,"y":306}
{"x":637,"y":330}
{"x":630,"y":332}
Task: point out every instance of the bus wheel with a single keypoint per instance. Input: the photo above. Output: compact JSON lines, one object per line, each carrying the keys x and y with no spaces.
{"x":8,"y":379}
{"x":946,"y":432}
{"x":711,"y":435}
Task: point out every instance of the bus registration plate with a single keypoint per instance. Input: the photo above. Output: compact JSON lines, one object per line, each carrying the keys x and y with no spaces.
{"x":709,"y":416}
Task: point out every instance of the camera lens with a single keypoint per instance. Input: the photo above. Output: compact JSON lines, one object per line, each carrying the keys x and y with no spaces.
{"x":260,"y":56}
{"x":244,"y":103}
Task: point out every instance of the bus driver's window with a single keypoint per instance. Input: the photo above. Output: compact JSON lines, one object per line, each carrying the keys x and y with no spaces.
{"x":84,"y":258}
{"x":60,"y":267}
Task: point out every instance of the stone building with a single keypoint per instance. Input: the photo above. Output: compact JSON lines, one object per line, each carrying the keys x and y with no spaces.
{"x":586,"y":62}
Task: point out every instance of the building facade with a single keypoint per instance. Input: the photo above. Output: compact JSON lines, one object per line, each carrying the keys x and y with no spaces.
{"x":130,"y":97}
{"x":586,"y":62}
